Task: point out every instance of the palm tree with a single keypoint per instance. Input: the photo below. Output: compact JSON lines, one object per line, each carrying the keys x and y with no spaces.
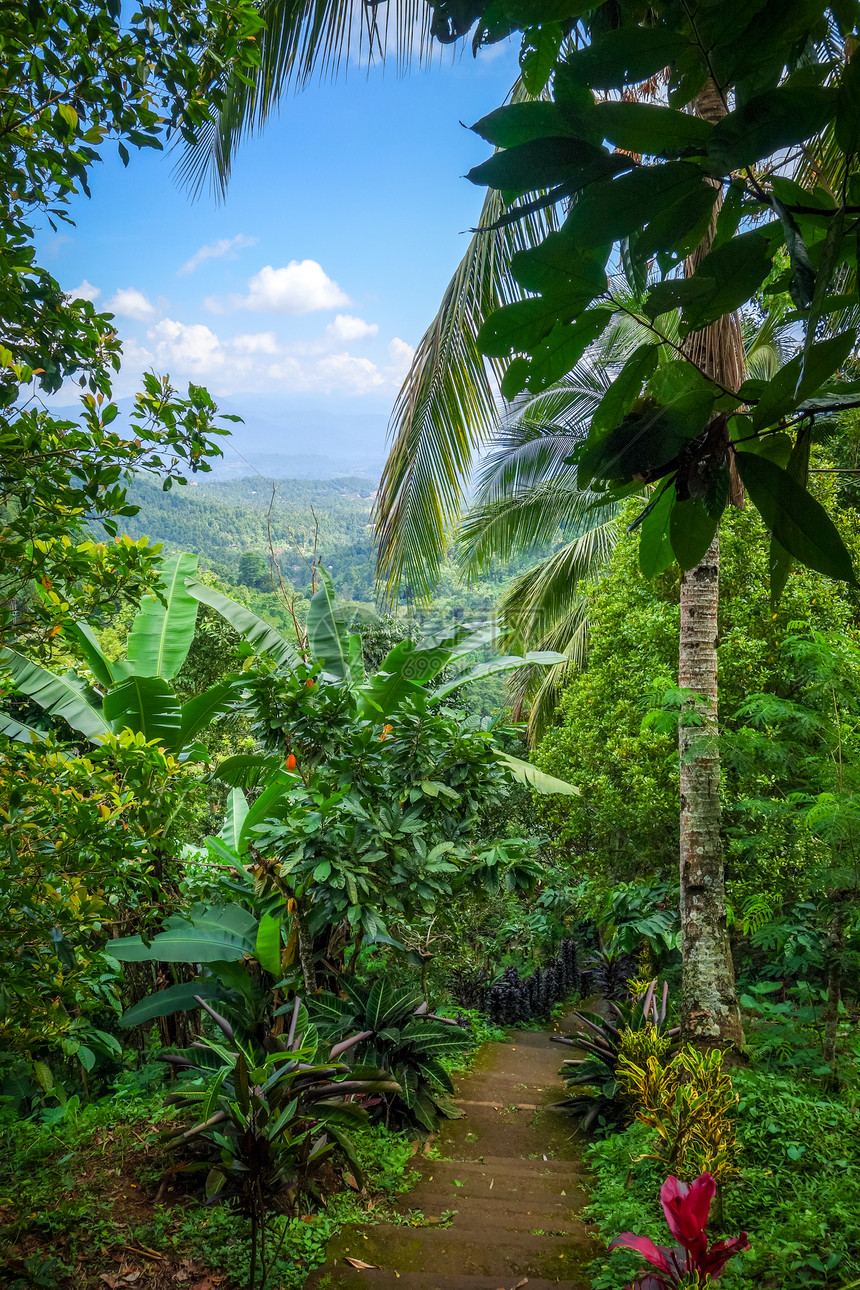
{"x":446,"y":412}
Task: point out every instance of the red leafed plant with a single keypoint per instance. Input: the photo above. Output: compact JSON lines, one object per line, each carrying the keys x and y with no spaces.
{"x":692,"y":1262}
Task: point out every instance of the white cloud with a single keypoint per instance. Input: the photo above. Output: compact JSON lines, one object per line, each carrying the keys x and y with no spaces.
{"x":84,"y":291}
{"x":225,"y":246}
{"x":346,"y":328}
{"x":261,"y":342}
{"x":349,"y":374}
{"x":401,"y":355}
{"x":300,"y":287}
{"x":128,"y":302}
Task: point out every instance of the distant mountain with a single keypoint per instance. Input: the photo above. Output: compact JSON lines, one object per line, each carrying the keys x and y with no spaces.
{"x":287,"y":442}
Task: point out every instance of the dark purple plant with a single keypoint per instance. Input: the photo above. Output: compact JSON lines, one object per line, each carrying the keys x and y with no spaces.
{"x":687,"y":1209}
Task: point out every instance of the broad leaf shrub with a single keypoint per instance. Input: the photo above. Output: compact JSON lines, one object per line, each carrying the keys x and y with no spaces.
{"x":695,"y":1261}
{"x":797,"y":1194}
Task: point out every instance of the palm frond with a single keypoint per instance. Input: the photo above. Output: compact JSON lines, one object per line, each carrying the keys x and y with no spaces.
{"x":538,"y":691}
{"x":525,"y":520}
{"x":301,"y":40}
{"x":446,"y":410}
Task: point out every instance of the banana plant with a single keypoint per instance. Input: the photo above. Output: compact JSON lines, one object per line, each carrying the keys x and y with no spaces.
{"x":405,"y":673}
{"x":134,"y":693}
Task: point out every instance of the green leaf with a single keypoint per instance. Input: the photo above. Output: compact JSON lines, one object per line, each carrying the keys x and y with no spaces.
{"x":407,"y":668}
{"x":161,"y":634}
{"x":779,"y":560}
{"x":556,"y":267}
{"x":847,"y":127}
{"x":268,"y":944}
{"x":521,"y":326}
{"x":539,"y":53}
{"x":655,"y":548}
{"x":249,"y":626}
{"x":525,"y":773}
{"x":536,"y":658}
{"x":148,"y":706}
{"x":564,"y":347}
{"x":652,"y":130}
{"x":622,"y":56}
{"x":235,"y":815}
{"x":200,"y":711}
{"x":356,"y":660}
{"x":625,"y":389}
{"x":247,"y":770}
{"x":724,"y":280}
{"x":85,"y":638}
{"x":13,"y":729}
{"x":797,"y":521}
{"x":64,"y":696}
{"x":616,"y":208}
{"x":798,"y":381}
{"x":541,"y":163}
{"x":768,"y":123}
{"x":164,"y":1003}
{"x":225,"y":932}
{"x":264,"y":807}
{"x":326,"y":630}
{"x":517,"y":123}
{"x":691,"y":531}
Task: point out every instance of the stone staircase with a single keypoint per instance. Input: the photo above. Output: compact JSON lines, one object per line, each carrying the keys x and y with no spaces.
{"x":500,"y":1208}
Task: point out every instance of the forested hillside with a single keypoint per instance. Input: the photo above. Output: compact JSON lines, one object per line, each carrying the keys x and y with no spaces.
{"x":224,"y":520}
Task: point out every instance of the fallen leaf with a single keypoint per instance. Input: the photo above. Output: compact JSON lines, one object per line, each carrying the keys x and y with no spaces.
{"x":522,"y":1283}
{"x":133,"y":1276}
{"x":109,"y":1280}
{"x":362,"y":1266}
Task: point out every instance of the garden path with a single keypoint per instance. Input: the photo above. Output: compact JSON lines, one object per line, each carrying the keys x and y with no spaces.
{"x":501,"y":1208}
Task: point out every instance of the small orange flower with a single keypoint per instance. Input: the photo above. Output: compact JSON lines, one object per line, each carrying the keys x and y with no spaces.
{"x":311,"y":683}
{"x":388,"y":729}
{"x":291,"y":762}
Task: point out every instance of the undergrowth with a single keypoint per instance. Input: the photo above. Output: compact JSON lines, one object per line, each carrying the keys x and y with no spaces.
{"x":797,"y":1197}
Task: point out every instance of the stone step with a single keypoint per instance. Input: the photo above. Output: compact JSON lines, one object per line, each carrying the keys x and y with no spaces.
{"x":408,"y":1250}
{"x":504,"y":1166}
{"x":347,"y":1278}
{"x":475,"y":1215}
{"x":453,"y":1181}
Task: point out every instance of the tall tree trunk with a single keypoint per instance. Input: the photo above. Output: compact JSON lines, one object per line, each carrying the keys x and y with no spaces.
{"x":709,"y":1007}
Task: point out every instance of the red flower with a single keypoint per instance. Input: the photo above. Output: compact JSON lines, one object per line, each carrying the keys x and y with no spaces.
{"x":291,"y":762}
{"x":687,"y":1209}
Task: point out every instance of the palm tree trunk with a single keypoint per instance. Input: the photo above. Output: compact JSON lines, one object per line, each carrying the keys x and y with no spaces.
{"x":709,"y":1007}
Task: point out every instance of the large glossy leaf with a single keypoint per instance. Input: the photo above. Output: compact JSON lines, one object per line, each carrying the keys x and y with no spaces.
{"x":767,"y":123}
{"x":148,"y":706}
{"x":247,"y":770}
{"x":623,"y":56}
{"x":691,"y":531}
{"x":554,"y":357}
{"x":799,"y":379}
{"x":235,"y":815}
{"x":161,"y":633}
{"x":164,"y":1003}
{"x":541,"y":163}
{"x":249,"y":626}
{"x":13,"y":729}
{"x":527,"y":774}
{"x":406,"y":669}
{"x":519,"y":327}
{"x":534,"y":658}
{"x":200,"y":711}
{"x":798,"y":522}
{"x":328,"y":639}
{"x":265,"y":807}
{"x":724,"y":280}
{"x":616,"y":208}
{"x":65,"y":696}
{"x":655,"y":549}
{"x":84,"y":637}
{"x":267,"y":947}
{"x":779,"y":559}
{"x":221,"y":932}
{"x":652,"y":129}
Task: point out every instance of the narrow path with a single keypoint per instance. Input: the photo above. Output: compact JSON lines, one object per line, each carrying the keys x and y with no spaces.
{"x":503,"y":1204}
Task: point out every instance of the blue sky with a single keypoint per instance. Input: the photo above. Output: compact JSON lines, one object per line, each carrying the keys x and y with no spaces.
{"x":318,"y":274}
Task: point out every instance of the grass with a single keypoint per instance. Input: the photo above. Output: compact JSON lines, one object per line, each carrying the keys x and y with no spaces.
{"x":78,"y":1204}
